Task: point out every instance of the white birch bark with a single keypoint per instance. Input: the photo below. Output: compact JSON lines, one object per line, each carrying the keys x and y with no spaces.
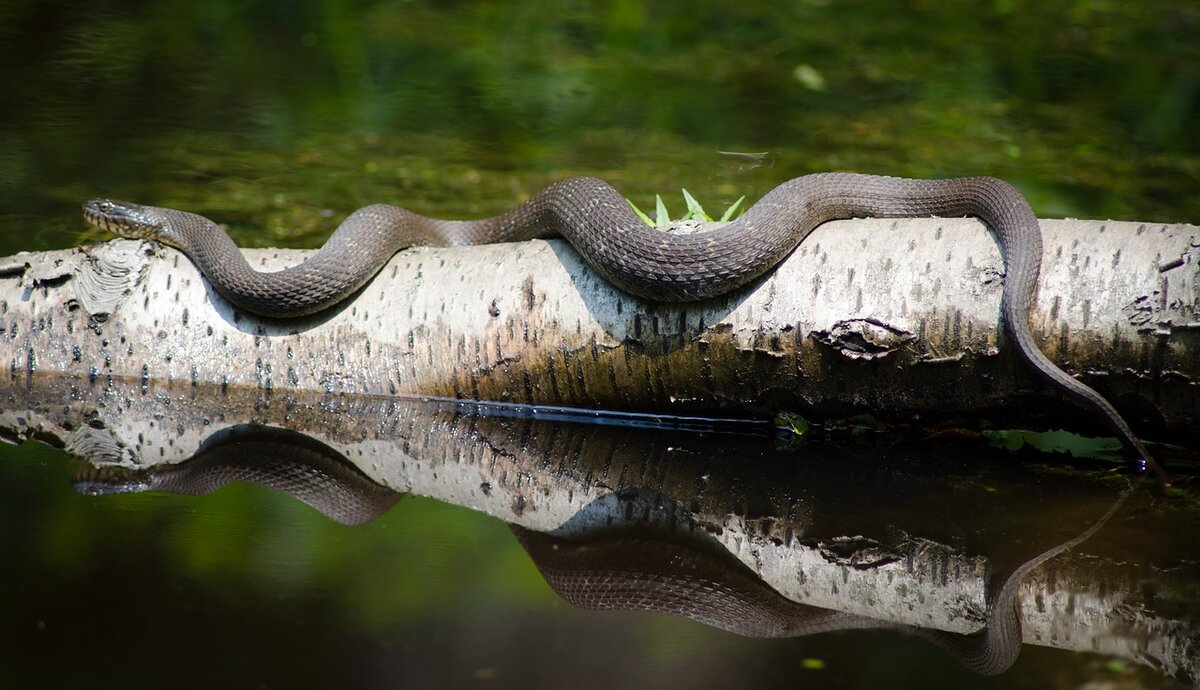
{"x":893,"y":317}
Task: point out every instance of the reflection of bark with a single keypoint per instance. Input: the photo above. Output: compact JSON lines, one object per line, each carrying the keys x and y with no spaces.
{"x":621,"y":569}
{"x":822,"y":527}
{"x":612,"y":570}
{"x":894,"y":317}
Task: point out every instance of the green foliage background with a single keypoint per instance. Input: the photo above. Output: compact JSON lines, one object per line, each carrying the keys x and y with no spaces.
{"x":279,"y":117}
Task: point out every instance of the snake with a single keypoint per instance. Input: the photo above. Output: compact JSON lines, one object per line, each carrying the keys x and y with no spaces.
{"x":642,"y":261}
{"x":606,"y":569}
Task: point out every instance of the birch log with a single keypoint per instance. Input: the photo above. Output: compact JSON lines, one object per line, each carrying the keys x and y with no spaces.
{"x":894,"y":317}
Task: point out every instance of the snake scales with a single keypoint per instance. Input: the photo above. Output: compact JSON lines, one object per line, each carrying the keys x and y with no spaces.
{"x":621,"y":570}
{"x":660,"y":266}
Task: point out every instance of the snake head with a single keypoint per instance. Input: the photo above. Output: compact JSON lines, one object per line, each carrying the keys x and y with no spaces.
{"x":108,"y":480}
{"x":130,"y":220}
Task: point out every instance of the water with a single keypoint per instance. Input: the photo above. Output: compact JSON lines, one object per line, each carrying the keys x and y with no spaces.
{"x":247,"y":587}
{"x":279,"y":118}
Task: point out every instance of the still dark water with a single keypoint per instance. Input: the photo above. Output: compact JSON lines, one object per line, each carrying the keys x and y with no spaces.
{"x":277,"y":118}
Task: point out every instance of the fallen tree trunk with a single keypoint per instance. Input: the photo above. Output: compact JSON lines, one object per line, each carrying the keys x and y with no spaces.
{"x":895,"y":317}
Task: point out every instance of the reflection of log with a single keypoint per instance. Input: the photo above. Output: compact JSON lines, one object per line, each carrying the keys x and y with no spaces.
{"x":608,"y":566}
{"x":829,"y":527}
{"x":895,"y":317}
{"x":612,"y":569}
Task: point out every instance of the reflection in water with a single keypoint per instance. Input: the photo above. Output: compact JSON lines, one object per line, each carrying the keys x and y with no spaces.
{"x":609,"y":562}
{"x":642,"y":570}
{"x":643,"y":573}
{"x":287,"y":461}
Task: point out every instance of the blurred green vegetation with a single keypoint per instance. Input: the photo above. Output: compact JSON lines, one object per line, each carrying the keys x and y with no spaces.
{"x":279,"y":117}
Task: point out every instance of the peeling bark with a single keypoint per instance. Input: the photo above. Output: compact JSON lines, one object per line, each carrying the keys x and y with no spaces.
{"x":894,"y":317}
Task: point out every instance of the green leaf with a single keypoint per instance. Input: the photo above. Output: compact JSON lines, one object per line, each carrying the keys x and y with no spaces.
{"x":645,"y":218}
{"x":1056,"y":441}
{"x":797,"y":424}
{"x":732,"y":208}
{"x":660,"y":213}
{"x":695,"y":210}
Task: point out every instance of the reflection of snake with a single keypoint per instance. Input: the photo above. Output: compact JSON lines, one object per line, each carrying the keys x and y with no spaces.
{"x":598,"y":221}
{"x":648,"y":574}
{"x":287,"y":461}
{"x":625,"y":570}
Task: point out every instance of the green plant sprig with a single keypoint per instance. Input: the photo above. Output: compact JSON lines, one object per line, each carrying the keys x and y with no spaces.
{"x":694,"y":211}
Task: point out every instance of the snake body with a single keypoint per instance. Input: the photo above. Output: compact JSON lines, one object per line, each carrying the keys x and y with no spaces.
{"x":659,"y":266}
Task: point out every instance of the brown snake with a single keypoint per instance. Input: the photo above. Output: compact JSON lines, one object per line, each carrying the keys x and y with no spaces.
{"x":659,"y":266}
